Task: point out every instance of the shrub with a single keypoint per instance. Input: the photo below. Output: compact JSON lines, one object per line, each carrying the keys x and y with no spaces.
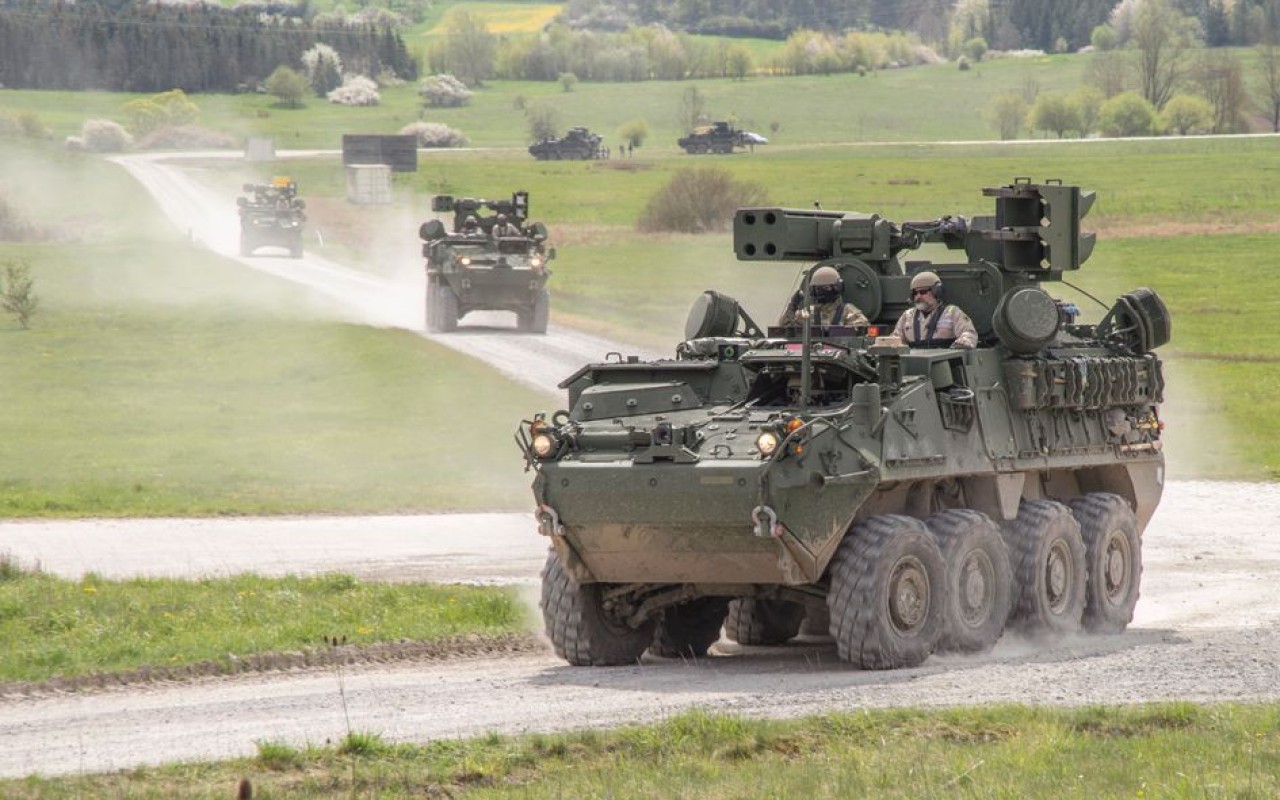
{"x":187,"y":137}
{"x":100,"y":136}
{"x":1187,"y":114}
{"x":434,"y":134}
{"x":288,"y":86}
{"x":697,"y":200}
{"x":975,"y":48}
{"x":159,"y":111}
{"x":30,"y":125}
{"x":356,"y":90}
{"x":1127,"y":114}
{"x":567,"y":81}
{"x":444,"y":90}
{"x":634,"y":132}
{"x":16,"y":295}
{"x":543,"y":121}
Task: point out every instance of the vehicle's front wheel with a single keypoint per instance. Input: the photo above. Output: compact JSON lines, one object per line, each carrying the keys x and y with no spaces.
{"x":1113,"y":555}
{"x":689,"y":629}
{"x":1047,"y":555}
{"x":888,"y":593}
{"x":581,"y":630}
{"x":448,"y":305}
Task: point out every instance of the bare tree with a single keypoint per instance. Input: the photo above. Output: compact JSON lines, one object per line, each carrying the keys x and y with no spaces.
{"x":693,"y":108}
{"x":1164,"y":38}
{"x":470,"y":48}
{"x":1220,"y":76}
{"x":1109,"y":71}
{"x":1269,"y":80}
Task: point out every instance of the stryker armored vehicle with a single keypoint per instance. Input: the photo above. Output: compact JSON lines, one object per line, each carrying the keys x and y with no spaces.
{"x":271,"y":216}
{"x":903,"y":500}
{"x":718,"y":137}
{"x":578,"y":144}
{"x":487,"y":262}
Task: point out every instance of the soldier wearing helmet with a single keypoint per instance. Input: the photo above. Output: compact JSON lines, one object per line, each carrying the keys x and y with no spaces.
{"x":829,"y":306}
{"x":503,"y":227}
{"x":931,"y":321}
{"x":471,"y":226}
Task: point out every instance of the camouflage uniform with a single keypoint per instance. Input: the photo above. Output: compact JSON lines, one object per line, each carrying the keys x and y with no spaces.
{"x":826,"y":314}
{"x":951,"y":328}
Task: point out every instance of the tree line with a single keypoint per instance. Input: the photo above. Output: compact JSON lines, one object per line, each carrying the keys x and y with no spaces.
{"x":1049,"y":25}
{"x":142,"y":47}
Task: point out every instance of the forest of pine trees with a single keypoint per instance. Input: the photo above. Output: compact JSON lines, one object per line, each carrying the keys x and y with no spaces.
{"x":142,"y":47}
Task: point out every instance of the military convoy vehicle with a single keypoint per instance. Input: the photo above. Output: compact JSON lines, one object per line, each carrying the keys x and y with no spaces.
{"x":901,"y":500}
{"x":718,"y":137}
{"x":487,"y":262}
{"x":578,"y":144}
{"x":272,"y":216}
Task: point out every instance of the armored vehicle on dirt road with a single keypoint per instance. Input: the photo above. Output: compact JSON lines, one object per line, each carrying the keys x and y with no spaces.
{"x":578,"y":144}
{"x":272,"y":216}
{"x":487,"y":262}
{"x":718,"y":137}
{"x":901,"y":499}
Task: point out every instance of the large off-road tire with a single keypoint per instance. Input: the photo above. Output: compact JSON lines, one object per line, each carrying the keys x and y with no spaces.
{"x":1113,"y":555}
{"x":448,"y":307}
{"x":763,"y":621}
{"x":1047,"y":555}
{"x":817,"y":622}
{"x":246,"y":246}
{"x":979,"y":580}
{"x":432,"y":303}
{"x":540,"y":313}
{"x":689,"y":629}
{"x":888,"y":593}
{"x":295,"y":248}
{"x":580,"y":630}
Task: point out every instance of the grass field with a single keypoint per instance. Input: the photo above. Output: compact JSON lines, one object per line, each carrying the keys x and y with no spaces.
{"x":1174,"y":751}
{"x":69,"y":629}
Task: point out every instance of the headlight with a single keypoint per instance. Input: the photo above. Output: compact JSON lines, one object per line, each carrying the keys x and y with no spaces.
{"x":464,"y":261}
{"x":544,"y":445}
{"x":767,"y":443}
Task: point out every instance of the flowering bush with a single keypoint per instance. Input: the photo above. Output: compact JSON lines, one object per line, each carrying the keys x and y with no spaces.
{"x":356,"y":90}
{"x":434,"y":134}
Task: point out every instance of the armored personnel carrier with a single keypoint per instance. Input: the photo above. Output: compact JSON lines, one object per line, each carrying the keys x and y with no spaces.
{"x":903,"y":500}
{"x":495,"y":261}
{"x":271,"y":216}
{"x":718,"y":137}
{"x":578,"y":144}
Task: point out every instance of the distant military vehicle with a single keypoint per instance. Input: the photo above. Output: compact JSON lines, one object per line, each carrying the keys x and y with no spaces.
{"x":901,"y":499}
{"x":578,"y":144}
{"x":271,"y":216}
{"x":718,"y":137}
{"x":487,"y":262}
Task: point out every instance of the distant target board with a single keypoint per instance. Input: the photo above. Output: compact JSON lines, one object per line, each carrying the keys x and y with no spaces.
{"x":398,"y":152}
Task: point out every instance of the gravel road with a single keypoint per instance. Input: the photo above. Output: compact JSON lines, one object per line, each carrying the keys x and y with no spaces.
{"x":1207,"y":627}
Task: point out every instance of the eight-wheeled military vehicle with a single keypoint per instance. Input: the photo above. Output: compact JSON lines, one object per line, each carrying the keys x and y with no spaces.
{"x":902,"y":500}
{"x":718,"y":137}
{"x":272,"y":215}
{"x":488,"y":262}
{"x":578,"y":144}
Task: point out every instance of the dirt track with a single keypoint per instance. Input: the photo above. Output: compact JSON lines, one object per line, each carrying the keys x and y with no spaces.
{"x":1207,"y":627}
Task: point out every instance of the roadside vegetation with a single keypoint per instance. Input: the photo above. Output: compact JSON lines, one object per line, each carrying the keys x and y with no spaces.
{"x":1176,"y":751}
{"x":72,"y":631}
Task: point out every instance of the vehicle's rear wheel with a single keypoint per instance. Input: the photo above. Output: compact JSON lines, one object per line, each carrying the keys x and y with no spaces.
{"x":979,"y":579}
{"x":689,"y":629}
{"x":1113,"y":555}
{"x":1047,"y":555}
{"x":763,"y":621}
{"x":888,"y":593}
{"x":580,"y":629}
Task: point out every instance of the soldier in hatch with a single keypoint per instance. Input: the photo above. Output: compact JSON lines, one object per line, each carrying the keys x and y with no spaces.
{"x":829,"y":306}
{"x":932,"y":322}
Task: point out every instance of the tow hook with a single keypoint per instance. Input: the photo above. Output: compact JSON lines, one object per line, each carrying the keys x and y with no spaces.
{"x":765,"y":520}
{"x":549,"y":521}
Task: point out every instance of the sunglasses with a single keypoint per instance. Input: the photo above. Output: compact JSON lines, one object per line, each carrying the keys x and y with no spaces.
{"x":915,"y":292}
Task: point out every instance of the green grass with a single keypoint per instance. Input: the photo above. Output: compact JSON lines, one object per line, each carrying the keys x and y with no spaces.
{"x":1160,"y":751}
{"x":67,"y":629}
